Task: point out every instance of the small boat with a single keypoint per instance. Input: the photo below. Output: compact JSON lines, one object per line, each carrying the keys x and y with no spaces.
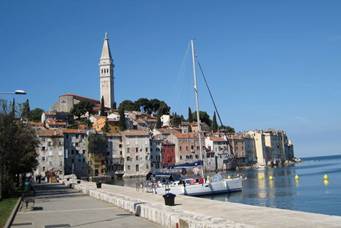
{"x":189,"y":186}
{"x":215,"y":185}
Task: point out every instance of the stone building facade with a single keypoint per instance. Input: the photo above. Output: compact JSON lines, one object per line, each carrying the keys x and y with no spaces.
{"x":76,"y":152}
{"x":136,"y":152}
{"x":50,"y":153}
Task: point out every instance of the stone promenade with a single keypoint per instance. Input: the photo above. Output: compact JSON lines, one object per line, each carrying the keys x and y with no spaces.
{"x":204,"y":213}
{"x":58,"y":206}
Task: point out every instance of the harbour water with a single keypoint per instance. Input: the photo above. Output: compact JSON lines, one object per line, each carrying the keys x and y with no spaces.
{"x":310,"y":193}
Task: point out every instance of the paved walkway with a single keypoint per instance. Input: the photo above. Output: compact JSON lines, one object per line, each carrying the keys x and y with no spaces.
{"x":57,"y":206}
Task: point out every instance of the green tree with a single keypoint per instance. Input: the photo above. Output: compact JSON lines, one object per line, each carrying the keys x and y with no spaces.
{"x":176,"y":120}
{"x":35,"y":114}
{"x":122,"y":124}
{"x":82,"y":108}
{"x":106,"y":127}
{"x":204,"y":117}
{"x":227,"y":129}
{"x":128,"y":105}
{"x":102,"y":110}
{"x":13,"y":111}
{"x":18,"y":144}
{"x":25,"y":113}
{"x":144,"y":105}
{"x":190,"y":115}
{"x":214,"y":126}
{"x":163,"y":109}
{"x":97,"y":144}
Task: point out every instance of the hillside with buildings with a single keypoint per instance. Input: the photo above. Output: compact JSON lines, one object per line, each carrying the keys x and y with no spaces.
{"x":89,"y":137}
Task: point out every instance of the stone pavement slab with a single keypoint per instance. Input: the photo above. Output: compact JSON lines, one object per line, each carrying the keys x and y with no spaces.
{"x":56,"y":206}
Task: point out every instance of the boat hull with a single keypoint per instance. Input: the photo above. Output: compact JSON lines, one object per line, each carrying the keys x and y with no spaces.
{"x":219,"y":187}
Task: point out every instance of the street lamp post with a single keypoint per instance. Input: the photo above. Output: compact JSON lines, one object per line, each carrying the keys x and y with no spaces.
{"x":16,"y":92}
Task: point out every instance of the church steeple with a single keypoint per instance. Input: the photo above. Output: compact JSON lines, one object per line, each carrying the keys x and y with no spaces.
{"x":106,"y":73}
{"x":106,"y":54}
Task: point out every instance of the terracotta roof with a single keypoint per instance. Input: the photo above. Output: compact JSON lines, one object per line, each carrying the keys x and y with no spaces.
{"x":185,"y":135}
{"x":73,"y":131}
{"x":217,"y":139}
{"x":168,"y":131}
{"x":135,"y":133}
{"x":113,"y":134}
{"x":49,"y":133}
{"x":56,"y":122}
{"x":36,"y":124}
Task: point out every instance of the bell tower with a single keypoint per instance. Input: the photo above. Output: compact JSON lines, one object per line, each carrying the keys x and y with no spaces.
{"x":106,"y":74}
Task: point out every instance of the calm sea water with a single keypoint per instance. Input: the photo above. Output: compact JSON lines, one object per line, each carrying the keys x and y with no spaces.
{"x":310,"y":193}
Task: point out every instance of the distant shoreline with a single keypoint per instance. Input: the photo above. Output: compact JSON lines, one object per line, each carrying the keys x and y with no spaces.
{"x":321,"y":157}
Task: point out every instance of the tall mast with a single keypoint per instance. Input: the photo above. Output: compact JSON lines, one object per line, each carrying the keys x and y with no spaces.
{"x":197,"y":105}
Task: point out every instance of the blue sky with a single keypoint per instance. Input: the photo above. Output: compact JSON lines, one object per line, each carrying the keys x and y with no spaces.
{"x":270,"y":64}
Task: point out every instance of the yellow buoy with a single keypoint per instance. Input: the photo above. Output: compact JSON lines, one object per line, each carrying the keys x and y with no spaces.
{"x":325,"y":182}
{"x":325,"y":177}
{"x":270,"y":177}
{"x":297,"y":177}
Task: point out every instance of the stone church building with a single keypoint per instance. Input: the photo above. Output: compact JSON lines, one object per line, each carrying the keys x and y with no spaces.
{"x":106,"y":74}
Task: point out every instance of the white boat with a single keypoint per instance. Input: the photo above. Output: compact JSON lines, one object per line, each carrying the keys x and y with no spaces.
{"x":217,"y":184}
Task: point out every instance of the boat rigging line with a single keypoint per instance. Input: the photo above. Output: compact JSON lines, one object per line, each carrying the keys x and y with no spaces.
{"x":215,"y":106}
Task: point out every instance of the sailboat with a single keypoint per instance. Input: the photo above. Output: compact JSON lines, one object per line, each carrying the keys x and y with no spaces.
{"x":218,"y":184}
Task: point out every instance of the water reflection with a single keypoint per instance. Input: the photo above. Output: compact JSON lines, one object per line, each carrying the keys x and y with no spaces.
{"x":310,"y":192}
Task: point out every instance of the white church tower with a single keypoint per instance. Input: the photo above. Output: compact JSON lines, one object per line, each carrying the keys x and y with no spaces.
{"x":106,"y":73}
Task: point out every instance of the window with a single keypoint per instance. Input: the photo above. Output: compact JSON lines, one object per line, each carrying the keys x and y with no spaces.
{"x":43,"y":158}
{"x":43,"y":148}
{"x":128,"y":158}
{"x":180,"y":157}
{"x":196,"y":156}
{"x":186,"y":148}
{"x":128,"y":167}
{"x":146,"y":149}
{"x":43,"y":168}
{"x":192,"y":147}
{"x":137,"y":149}
{"x":120,"y":152}
{"x":49,"y":143}
{"x":76,"y":144}
{"x":147,"y":157}
{"x":120,"y":145}
{"x":151,"y":157}
{"x":83,"y":151}
{"x":137,"y":168}
{"x":137,"y":158}
{"x":128,"y":150}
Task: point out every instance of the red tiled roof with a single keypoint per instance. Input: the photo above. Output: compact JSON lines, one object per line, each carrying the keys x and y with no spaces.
{"x":185,"y":135}
{"x":135,"y":133}
{"x":49,"y":133}
{"x":73,"y":131}
{"x":217,"y":139}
